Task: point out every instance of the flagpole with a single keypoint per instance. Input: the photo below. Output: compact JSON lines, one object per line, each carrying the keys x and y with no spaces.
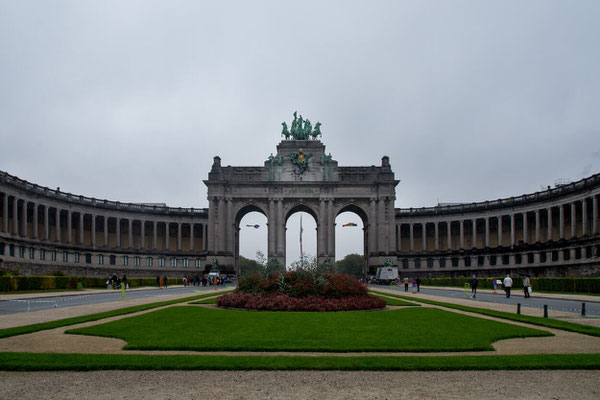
{"x":301,"y":252}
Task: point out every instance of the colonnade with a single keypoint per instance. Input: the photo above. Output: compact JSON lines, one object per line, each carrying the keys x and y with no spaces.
{"x":41,"y":221}
{"x":553,"y":222}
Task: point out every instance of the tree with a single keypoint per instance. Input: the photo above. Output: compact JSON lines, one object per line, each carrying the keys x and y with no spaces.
{"x":248,"y":266}
{"x":351,"y":264}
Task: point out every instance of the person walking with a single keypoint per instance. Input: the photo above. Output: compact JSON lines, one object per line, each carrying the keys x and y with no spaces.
{"x":165,"y":281}
{"x":474,"y":284}
{"x":526,"y":285}
{"x":508,"y":282}
{"x":418,"y":284}
{"x":406,"y":283}
{"x":158,"y":282}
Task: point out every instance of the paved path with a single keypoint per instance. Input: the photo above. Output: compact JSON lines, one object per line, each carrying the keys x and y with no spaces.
{"x":556,"y":302}
{"x":31,"y":302}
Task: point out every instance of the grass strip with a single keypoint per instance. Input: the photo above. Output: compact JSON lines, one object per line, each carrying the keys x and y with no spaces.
{"x":21,"y":330}
{"x":95,"y":362}
{"x":212,"y":300}
{"x":391,"y":301}
{"x":546,"y":322}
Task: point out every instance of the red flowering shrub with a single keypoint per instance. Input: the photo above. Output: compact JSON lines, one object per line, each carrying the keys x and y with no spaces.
{"x":304,"y":283}
{"x":282,"y":302}
{"x":301,"y":290}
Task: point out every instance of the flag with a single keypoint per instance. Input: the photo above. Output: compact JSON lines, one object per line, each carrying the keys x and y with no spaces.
{"x":350,"y":224}
{"x":301,"y":235}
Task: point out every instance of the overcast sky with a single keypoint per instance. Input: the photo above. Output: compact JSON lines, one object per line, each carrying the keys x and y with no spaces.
{"x":130,"y":100}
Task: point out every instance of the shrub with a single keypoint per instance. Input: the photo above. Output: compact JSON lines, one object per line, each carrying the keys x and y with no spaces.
{"x":303,"y":283}
{"x":282,"y":302}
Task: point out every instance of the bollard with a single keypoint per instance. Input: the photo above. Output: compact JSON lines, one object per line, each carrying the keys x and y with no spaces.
{"x":545,"y":310}
{"x":583,"y":309}
{"x":518,"y":308}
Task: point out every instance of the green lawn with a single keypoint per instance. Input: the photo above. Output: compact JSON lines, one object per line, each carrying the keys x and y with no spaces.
{"x":410,"y":329}
{"x":547,"y":322}
{"x":95,"y":362}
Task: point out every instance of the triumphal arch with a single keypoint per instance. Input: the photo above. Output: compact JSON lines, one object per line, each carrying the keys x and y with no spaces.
{"x":301,"y":176}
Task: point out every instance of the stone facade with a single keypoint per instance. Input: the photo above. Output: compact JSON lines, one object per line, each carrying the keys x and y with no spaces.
{"x":554,"y":232}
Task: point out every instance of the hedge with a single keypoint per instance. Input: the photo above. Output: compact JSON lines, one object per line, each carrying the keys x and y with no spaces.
{"x":27,"y":283}
{"x":566,"y":285}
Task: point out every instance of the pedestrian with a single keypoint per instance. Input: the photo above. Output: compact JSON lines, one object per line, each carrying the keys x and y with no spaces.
{"x":526,"y":286}
{"x":124,"y":281}
{"x":165,"y":281}
{"x":158,"y":282}
{"x":474,"y":285}
{"x":508,"y":282}
{"x":406,"y":283}
{"x":418,"y":284}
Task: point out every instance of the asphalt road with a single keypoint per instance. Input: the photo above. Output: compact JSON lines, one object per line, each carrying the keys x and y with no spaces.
{"x":46,"y":303}
{"x":535,"y":301}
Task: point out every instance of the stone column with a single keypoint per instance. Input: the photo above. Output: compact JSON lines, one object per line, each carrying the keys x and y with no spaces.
{"x":46,"y":223}
{"x":205,"y":237}
{"x":58,"y":225}
{"x":594,"y":215}
{"x":474,"y":233}
{"x":331,"y":230}
{"x":209,"y":239}
{"x":80,"y":228}
{"x":179,"y":236}
{"x":24,"y":219}
{"x":222,"y":228}
{"x":166,"y":236}
{"x":280,"y":231}
{"x":5,"y":214}
{"x":584,"y":230}
{"x":573,"y":220}
{"x":537,"y":226}
{"x":35,"y":220}
{"x":271,"y":227}
{"x":118,"y":233}
{"x":423,"y":237}
{"x":462,"y":234}
{"x":93,"y":230}
{"x":449,"y":232}
{"x":500,"y":230}
{"x":321,"y":249}
{"x":525,"y":229}
{"x":373,"y":229}
{"x":561,"y":222}
{"x":412,"y":237}
{"x":487,"y":231}
{"x":105,"y":231}
{"x":15,"y":216}
{"x":192,"y":236}
{"x":155,"y":237}
{"x":513,"y":237}
{"x":229,"y":238}
{"x":549,"y":232}
{"x":398,"y":237}
{"x":437,"y":236}
{"x":69,"y":226}
{"x":143,"y":234}
{"x":129,"y":233}
{"x":381,"y":239}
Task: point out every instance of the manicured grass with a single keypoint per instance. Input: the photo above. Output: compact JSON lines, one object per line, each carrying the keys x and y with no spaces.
{"x":410,"y":329}
{"x":206,"y":301}
{"x":390,"y":301}
{"x":94,"y":362}
{"x":547,"y":322}
{"x":21,"y":330}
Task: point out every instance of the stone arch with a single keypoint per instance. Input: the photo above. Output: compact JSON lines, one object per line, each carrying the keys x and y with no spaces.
{"x":241,"y":211}
{"x":363,"y":214}
{"x":292,"y":207}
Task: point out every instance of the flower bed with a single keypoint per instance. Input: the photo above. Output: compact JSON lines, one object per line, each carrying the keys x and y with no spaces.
{"x":301,"y":290}
{"x":282,"y":302}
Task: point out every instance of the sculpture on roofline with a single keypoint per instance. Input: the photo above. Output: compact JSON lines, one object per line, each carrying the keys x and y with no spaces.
{"x":301,"y":129}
